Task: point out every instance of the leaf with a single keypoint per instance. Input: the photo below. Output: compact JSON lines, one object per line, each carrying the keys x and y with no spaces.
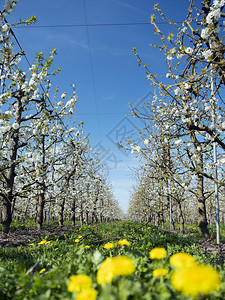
{"x":97,"y":257}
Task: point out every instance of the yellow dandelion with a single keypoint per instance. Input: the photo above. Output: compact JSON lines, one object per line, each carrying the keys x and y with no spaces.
{"x":197,"y":279}
{"x":42,"y":242}
{"x":123,"y":242}
{"x":105,"y":272}
{"x":77,"y":240}
{"x":87,"y":246}
{"x":78,"y":283}
{"x":159,"y":272}
{"x":123,"y":265}
{"x":87,"y":294}
{"x":115,"y":266}
{"x":180,"y":260}
{"x":109,"y":246}
{"x":30,"y":244}
{"x":42,"y":270}
{"x":79,"y":236}
{"x":149,"y":227}
{"x":157,"y":253}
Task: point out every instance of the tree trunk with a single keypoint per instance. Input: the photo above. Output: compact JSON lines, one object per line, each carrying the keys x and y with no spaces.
{"x":73,"y":208}
{"x":87,"y":217}
{"x":40,"y":211}
{"x":41,"y":197}
{"x":10,"y":175}
{"x":61,"y":211}
{"x":6,"y":215}
{"x":202,"y":217}
{"x":180,"y":216}
{"x":26,"y":208}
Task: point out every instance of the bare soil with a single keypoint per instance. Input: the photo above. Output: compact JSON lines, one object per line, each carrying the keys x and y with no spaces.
{"x":25,"y":237}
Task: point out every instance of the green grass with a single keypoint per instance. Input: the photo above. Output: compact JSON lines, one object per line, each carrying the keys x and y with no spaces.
{"x":63,"y":257}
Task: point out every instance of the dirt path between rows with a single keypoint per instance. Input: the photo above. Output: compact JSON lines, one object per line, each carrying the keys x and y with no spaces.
{"x":25,"y":237}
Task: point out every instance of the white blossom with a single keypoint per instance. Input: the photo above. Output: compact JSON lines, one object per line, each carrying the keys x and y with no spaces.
{"x":218,"y":3}
{"x":180,"y":55}
{"x":169,"y":57}
{"x":15,"y":125}
{"x":9,"y":5}
{"x":5,"y":28}
{"x":189,"y":50}
{"x":184,"y":29}
{"x":207,"y":53}
{"x":63,"y":96}
{"x":186,"y":86}
{"x":213,"y":16}
{"x":205,"y":33}
{"x":178,"y":142}
{"x":177,"y":91}
{"x":146,"y":142}
{"x":135,"y":149}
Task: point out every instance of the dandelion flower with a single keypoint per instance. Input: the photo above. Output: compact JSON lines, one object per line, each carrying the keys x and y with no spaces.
{"x":157,"y":253}
{"x":87,"y":246}
{"x":109,"y":246}
{"x":78,"y":283}
{"x":42,"y":270}
{"x":77,"y":240}
{"x":87,"y":294}
{"x":79,"y":236}
{"x":180,"y":260}
{"x":105,"y":272}
{"x":115,"y":266}
{"x":159,"y":272}
{"x":42,"y":242}
{"x":123,"y":242}
{"x":197,"y":279}
{"x":123,"y":265}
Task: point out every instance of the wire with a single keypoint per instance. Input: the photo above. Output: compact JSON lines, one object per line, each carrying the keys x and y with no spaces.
{"x":93,"y":25}
{"x":92,"y":68}
{"x":101,"y":114}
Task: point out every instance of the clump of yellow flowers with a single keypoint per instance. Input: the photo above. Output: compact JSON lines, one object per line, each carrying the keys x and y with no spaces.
{"x":44,"y":242}
{"x":158,"y":253}
{"x":109,"y":246}
{"x":192,"y":279}
{"x":82,"y":285}
{"x":124,"y":242}
{"x":189,"y":278}
{"x":115,"y":266}
{"x":159,"y":272}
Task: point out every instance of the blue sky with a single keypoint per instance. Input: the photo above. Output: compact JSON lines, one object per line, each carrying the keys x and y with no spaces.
{"x":100,"y":62}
